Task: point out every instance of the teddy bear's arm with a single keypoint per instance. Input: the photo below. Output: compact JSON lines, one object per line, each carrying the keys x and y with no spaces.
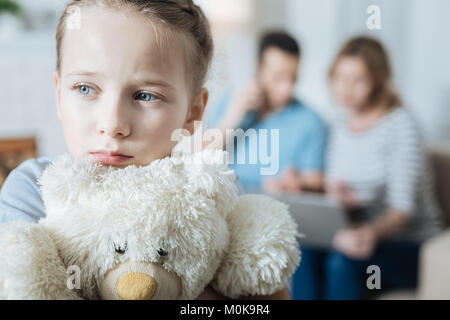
{"x":263,"y":252}
{"x":30,"y":267}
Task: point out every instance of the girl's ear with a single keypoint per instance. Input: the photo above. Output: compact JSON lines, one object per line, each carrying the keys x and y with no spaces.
{"x":56,"y":83}
{"x":196,"y":110}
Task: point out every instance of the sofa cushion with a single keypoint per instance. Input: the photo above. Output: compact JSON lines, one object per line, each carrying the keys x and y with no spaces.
{"x":440,"y":156}
{"x":434,"y":282}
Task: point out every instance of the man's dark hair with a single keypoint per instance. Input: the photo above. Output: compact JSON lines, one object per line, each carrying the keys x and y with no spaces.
{"x":281,"y":40}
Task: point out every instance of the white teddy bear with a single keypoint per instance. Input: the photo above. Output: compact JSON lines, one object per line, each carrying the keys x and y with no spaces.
{"x":162,"y":231}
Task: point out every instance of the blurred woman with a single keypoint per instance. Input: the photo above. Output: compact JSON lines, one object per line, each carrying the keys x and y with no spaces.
{"x":378,"y":169}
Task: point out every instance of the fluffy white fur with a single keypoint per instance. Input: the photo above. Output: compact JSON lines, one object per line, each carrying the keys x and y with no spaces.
{"x":188,"y":206}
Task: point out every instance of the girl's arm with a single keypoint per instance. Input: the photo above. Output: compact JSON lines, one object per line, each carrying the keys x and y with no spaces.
{"x":20,"y":197}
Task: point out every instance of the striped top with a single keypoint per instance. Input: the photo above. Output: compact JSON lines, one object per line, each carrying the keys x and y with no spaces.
{"x":388,"y":167}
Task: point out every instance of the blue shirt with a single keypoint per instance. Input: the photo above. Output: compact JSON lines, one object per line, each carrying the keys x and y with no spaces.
{"x":20,"y":197}
{"x":302,"y":142}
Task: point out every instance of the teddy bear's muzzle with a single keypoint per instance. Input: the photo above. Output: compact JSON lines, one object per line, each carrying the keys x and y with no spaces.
{"x":136,"y":286}
{"x":139,"y":281}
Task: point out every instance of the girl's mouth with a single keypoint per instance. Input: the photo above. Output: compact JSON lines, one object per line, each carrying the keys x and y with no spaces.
{"x":110,"y":158}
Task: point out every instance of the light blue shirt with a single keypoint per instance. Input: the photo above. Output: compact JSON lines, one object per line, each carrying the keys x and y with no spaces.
{"x":302,"y":142}
{"x":20,"y":197}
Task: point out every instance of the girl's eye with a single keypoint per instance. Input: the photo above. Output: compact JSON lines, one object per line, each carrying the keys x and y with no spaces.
{"x":146,"y":97}
{"x":86,"y":90}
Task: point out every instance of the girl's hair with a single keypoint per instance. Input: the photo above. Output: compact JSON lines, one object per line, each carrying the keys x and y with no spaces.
{"x":376,"y":59}
{"x":179,"y":16}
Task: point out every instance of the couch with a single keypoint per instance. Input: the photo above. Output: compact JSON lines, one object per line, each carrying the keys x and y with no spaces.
{"x":434,"y":259}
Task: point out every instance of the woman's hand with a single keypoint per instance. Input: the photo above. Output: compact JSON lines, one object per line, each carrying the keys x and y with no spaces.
{"x":357,"y":243}
{"x":344,"y":194}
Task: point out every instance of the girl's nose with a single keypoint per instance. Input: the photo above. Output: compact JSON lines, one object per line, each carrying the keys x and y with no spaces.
{"x":114,"y":123}
{"x":115,"y":131}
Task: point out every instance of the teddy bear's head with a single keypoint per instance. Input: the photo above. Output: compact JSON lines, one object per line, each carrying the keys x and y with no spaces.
{"x":149,"y":232}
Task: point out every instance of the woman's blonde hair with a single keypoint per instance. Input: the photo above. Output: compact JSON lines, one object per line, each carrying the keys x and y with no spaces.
{"x":180,"y":16}
{"x":376,"y":59}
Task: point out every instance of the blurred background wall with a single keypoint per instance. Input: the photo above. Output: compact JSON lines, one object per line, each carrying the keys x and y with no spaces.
{"x":414,"y":31}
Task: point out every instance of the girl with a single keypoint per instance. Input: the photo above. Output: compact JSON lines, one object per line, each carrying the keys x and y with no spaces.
{"x":129,"y":73}
{"x":377,"y":168}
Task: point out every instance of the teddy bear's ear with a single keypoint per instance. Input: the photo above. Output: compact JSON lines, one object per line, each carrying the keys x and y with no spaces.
{"x":68,"y":180}
{"x":263,"y":251}
{"x":208,"y":172}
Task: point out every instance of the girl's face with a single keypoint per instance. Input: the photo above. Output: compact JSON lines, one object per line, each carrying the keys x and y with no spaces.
{"x":120,"y":93}
{"x":351,"y":83}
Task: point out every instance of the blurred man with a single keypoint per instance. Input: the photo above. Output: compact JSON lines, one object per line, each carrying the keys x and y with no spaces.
{"x":267,"y":102}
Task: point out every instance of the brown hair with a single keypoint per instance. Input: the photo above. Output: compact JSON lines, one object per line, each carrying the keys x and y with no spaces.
{"x":176,"y":15}
{"x":376,"y":59}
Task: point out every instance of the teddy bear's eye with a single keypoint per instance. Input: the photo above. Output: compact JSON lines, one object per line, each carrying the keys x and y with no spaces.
{"x":162,"y":253}
{"x":121,"y":249}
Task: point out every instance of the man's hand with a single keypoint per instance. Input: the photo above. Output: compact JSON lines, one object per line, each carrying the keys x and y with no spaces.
{"x":293,"y":182}
{"x":251,"y":98}
{"x":289,"y":182}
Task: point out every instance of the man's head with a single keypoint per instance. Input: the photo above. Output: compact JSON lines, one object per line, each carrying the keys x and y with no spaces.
{"x":279,"y":60}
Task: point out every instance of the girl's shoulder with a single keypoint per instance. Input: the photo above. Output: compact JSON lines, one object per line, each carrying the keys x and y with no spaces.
{"x":20,"y":197}
{"x":34,"y":167}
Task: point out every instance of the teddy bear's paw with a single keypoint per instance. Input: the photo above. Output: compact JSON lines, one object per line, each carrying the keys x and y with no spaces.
{"x":263,"y":252}
{"x":30,"y":267}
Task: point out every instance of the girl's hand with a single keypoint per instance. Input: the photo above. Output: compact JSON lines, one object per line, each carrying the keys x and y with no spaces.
{"x":357,"y":243}
{"x":210,"y":294}
{"x":280,"y":295}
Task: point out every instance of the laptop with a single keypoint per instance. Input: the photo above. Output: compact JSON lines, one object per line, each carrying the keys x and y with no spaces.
{"x":318,"y":217}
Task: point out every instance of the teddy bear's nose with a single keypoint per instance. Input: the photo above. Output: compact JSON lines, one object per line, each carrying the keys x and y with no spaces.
{"x":136,"y":286}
